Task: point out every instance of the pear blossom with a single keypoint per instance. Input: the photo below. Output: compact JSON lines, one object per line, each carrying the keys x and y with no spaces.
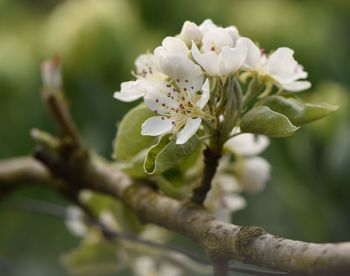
{"x":279,"y":67}
{"x":222,"y":53}
{"x":145,"y":72}
{"x":179,"y":100}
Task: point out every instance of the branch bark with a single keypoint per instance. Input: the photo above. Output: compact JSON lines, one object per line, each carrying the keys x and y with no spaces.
{"x":222,"y":241}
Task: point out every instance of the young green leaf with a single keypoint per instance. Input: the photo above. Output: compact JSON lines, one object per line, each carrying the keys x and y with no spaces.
{"x":129,"y":140}
{"x":134,"y":166}
{"x":262,"y":120}
{"x":166,"y":154}
{"x":298,"y":111}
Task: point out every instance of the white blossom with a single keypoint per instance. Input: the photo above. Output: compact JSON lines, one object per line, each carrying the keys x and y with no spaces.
{"x":222,"y":53}
{"x":178,"y":100}
{"x":280,"y":67}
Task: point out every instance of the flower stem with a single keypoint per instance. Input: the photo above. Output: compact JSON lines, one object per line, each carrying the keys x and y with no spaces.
{"x":212,"y":156}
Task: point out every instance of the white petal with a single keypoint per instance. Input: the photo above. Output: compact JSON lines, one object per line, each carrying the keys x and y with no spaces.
{"x":247,"y":144}
{"x":296,"y":86}
{"x":232,"y":59}
{"x":175,"y":45}
{"x":157,"y":125}
{"x":205,"y":95}
{"x":165,"y":61}
{"x":131,"y":91}
{"x":191,"y":127}
{"x":233,"y":32}
{"x":188,"y":75}
{"x":144,"y":62}
{"x":206,"y":25}
{"x":190,"y":32}
{"x":208,"y":60}
{"x":293,"y":75}
{"x":157,"y":97}
{"x":233,"y":202}
{"x":253,"y":58}
{"x":227,"y":183}
{"x":254,"y":175}
{"x":281,"y":63}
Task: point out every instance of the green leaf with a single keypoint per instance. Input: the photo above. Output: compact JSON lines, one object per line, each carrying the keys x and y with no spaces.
{"x":166,"y":154}
{"x":262,"y":120}
{"x":134,"y":167}
{"x":298,"y":111}
{"x":129,"y":140}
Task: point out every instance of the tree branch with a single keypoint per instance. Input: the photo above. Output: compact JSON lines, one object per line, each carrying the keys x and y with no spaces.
{"x":66,"y":166}
{"x":221,"y":241}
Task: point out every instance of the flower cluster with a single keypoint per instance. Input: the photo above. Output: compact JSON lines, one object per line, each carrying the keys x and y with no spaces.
{"x":174,"y":79}
{"x":247,"y":173}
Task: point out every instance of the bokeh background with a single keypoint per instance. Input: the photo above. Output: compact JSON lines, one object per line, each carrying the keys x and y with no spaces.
{"x":308,"y":197}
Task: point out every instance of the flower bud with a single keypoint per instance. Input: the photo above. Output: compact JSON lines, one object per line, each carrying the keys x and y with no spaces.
{"x":51,"y":74}
{"x":254,"y":174}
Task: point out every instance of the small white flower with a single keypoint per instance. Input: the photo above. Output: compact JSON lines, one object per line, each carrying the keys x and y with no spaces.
{"x":145,"y":72}
{"x":178,"y":101}
{"x":280,"y":67}
{"x":222,"y":53}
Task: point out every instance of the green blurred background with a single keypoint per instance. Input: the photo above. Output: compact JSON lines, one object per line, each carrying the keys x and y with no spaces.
{"x":308,"y":197}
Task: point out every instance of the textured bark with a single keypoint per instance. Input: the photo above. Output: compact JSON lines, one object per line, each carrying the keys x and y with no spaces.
{"x":222,"y":241}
